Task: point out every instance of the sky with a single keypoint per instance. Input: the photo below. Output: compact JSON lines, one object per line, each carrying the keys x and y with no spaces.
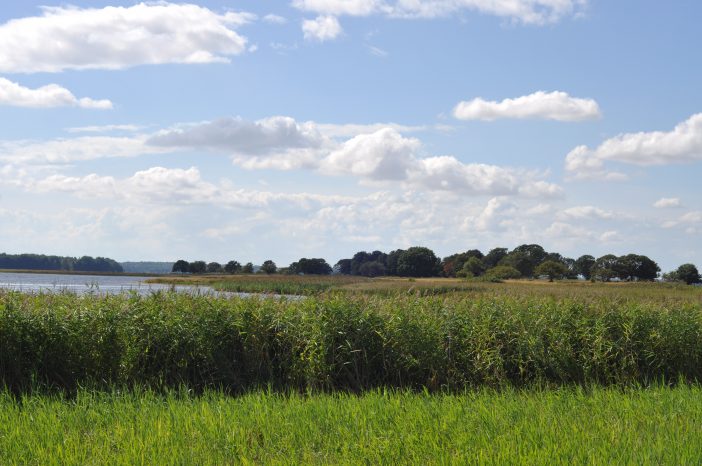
{"x":255,"y":130}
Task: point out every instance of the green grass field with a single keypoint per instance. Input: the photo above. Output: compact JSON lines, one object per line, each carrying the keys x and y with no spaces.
{"x":372,"y":372}
{"x":572,"y":426}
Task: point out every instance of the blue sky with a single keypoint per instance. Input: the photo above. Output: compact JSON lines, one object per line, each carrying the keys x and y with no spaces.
{"x":259,"y":130}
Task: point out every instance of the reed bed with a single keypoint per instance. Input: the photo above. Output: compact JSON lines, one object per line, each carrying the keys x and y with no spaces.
{"x":341,"y":342}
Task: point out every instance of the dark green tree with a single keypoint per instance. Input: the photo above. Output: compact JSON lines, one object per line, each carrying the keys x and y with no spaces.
{"x":583,"y":266}
{"x":232,"y":267}
{"x":269,"y":267}
{"x":688,"y":273}
{"x":214,"y":267}
{"x":197,"y":267}
{"x":494,"y":256}
{"x":503,"y":272}
{"x":453,"y":264}
{"x":392,"y":261}
{"x":372,"y":269}
{"x":247,"y":268}
{"x":343,"y":267}
{"x":473,"y":267}
{"x":418,"y":262}
{"x":554,"y":270}
{"x":310,"y":267}
{"x":525,"y":258}
{"x":605,"y":268}
{"x":181,"y":266}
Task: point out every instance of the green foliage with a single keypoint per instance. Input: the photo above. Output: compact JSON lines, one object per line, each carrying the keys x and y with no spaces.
{"x":214,"y":267}
{"x":232,"y":267}
{"x":583,"y":266}
{"x":418,"y":262}
{"x":503,"y":272}
{"x":342,"y":342}
{"x":372,"y":269}
{"x":269,"y":267}
{"x":197,"y":267}
{"x":42,"y":262}
{"x":247,"y":268}
{"x":659,"y":425}
{"x":552,"y":269}
{"x":310,"y":267}
{"x":687,"y":273}
{"x":181,"y":266}
{"x":473,"y":267}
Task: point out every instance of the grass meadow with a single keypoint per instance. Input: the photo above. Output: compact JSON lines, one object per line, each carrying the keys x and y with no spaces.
{"x":360,"y":371}
{"x":658,"y":425}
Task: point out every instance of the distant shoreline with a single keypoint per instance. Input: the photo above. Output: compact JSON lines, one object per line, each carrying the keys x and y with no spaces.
{"x":79,"y":272}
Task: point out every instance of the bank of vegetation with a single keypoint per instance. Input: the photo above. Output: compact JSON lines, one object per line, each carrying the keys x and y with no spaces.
{"x":59,"y":263}
{"x":524,"y":261}
{"x":347,"y":342}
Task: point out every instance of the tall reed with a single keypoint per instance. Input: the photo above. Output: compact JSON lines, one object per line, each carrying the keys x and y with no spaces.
{"x":342,"y":342}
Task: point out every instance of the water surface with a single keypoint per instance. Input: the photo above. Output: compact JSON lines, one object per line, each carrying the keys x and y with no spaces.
{"x":82,"y":284}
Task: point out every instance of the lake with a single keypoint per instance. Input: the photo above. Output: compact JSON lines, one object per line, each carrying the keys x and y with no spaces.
{"x":81,"y":284}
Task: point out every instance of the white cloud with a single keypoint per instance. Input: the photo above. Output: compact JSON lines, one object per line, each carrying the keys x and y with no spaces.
{"x":667,"y":202}
{"x":681,"y":145}
{"x":377,"y":52}
{"x":382,"y":155}
{"x":388,"y":156}
{"x":689,"y":219}
{"x":51,"y":95}
{"x":274,"y":19}
{"x":280,"y":143}
{"x":525,"y":11}
{"x":350,"y":129}
{"x":104,"y":129}
{"x":174,"y":187}
{"x":587,"y":212}
{"x":340,"y":7}
{"x":322,"y":28}
{"x":61,"y":151}
{"x":119,"y":37}
{"x":238,"y":136}
{"x":275,"y":142}
{"x":556,"y":105}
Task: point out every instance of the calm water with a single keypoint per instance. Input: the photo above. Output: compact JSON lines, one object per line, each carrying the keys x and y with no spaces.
{"x":81,"y":284}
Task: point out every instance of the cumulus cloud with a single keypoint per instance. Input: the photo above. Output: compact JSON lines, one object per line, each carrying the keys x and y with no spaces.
{"x":174,"y":186}
{"x":586,"y":212}
{"x":383,"y":156}
{"x":349,"y":130}
{"x":322,"y":28}
{"x":541,"y":105}
{"x":667,"y":202}
{"x":525,"y":11}
{"x":681,"y":145}
{"x":275,"y":142}
{"x":119,"y":37}
{"x":51,"y":95}
{"x":61,"y":151}
{"x":339,"y":7}
{"x":386,"y":155}
{"x":235,"y":135}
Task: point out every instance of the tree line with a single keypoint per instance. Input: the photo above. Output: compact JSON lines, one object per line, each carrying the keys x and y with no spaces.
{"x":304,"y":266}
{"x":524,"y":261}
{"x":72,"y":264}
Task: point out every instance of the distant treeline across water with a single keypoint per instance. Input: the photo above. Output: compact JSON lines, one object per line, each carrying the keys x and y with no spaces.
{"x":43,"y":262}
